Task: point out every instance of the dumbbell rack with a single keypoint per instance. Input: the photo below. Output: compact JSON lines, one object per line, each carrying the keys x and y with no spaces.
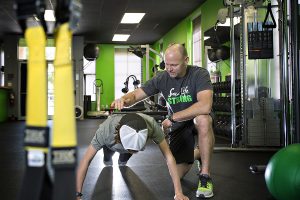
{"x":222,"y":109}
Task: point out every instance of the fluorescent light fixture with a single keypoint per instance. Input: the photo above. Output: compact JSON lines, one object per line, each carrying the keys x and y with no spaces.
{"x":236,"y":20}
{"x":120,"y":37}
{"x":206,"y":37}
{"x":49,"y":16}
{"x":132,"y":18}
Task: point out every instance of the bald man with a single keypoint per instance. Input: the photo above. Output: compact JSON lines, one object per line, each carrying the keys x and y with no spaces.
{"x":188,"y":92}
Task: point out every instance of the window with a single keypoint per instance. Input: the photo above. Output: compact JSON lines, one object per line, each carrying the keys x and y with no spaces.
{"x":23,"y":53}
{"x":126,"y":64}
{"x":89,"y":68}
{"x":197,"y":53}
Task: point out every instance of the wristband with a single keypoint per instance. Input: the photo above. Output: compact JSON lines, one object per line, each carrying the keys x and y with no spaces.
{"x":170,"y":117}
{"x":79,"y":194}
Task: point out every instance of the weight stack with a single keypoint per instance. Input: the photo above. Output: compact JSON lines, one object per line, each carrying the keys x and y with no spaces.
{"x":86,"y":105}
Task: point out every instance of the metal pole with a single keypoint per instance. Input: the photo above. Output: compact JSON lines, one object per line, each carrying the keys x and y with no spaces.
{"x":243,"y":75}
{"x":98,"y":96}
{"x":269,"y":77}
{"x":284,"y":77}
{"x":295,"y":68}
{"x":147,"y":62}
{"x":255,"y":65}
{"x":255,"y":79}
{"x":232,"y":66}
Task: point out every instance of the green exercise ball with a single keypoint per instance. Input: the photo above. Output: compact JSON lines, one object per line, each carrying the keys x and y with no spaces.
{"x":282,"y":174}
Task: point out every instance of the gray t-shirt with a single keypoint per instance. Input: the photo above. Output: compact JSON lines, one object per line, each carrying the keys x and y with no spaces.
{"x":105,"y":135}
{"x":179,"y":93}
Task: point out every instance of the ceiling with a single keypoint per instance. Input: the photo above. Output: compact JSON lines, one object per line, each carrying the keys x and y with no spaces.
{"x":100,"y":19}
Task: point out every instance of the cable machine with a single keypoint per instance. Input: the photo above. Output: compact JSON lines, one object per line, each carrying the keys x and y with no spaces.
{"x":251,"y":87}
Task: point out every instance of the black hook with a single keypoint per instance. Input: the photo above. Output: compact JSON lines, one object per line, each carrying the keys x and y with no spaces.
{"x":269,"y":12}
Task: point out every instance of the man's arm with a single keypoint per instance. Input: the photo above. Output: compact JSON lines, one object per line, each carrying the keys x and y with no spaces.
{"x":201,"y":107}
{"x":129,"y":99}
{"x":83,"y":167}
{"x":172,"y":170}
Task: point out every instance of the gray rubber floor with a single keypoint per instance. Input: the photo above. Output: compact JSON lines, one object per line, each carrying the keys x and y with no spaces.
{"x":145,"y":176}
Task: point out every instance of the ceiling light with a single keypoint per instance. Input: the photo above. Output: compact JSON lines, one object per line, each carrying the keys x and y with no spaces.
{"x":132,"y":18}
{"x":120,"y":37}
{"x":49,"y":16}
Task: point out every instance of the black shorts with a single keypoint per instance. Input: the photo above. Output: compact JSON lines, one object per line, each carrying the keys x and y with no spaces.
{"x":182,"y":142}
{"x":123,"y":157}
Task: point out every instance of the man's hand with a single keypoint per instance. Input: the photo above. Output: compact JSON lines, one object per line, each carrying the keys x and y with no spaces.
{"x":118,"y":104}
{"x":166,"y":124}
{"x":180,"y":196}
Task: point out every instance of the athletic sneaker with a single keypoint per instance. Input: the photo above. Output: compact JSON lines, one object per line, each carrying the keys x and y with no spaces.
{"x":205,"y":187}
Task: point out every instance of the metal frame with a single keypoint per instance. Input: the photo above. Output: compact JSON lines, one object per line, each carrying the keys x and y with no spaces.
{"x":148,"y":49}
{"x":242,"y":74}
{"x":284,"y":75}
{"x":233,"y":73}
{"x":295,"y":69}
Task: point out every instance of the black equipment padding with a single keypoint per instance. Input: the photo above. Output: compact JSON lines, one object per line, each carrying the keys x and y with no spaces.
{"x":260,"y":41}
{"x":223,"y":52}
{"x":212,"y":55}
{"x":36,"y":136}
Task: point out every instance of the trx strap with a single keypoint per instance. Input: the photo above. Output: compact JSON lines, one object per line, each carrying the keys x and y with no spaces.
{"x":63,"y":136}
{"x":269,"y":12}
{"x":36,"y":181}
{"x":63,"y":153}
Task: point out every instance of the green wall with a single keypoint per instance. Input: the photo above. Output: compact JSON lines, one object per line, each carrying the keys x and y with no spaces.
{"x":3,"y":104}
{"x":105,"y":72}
